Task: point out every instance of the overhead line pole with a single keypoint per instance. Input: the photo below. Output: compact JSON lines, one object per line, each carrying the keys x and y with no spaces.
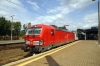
{"x":98,"y":23}
{"x":11,"y":26}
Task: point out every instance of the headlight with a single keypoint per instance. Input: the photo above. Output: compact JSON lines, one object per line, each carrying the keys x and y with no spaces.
{"x":41,"y":42}
{"x":38,"y":42}
{"x":27,"y":42}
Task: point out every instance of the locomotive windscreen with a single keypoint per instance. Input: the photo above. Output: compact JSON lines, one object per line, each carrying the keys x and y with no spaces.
{"x":33,"y":31}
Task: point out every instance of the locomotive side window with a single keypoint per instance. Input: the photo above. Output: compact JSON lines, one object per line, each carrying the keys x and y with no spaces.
{"x":33,"y":31}
{"x":52,"y":32}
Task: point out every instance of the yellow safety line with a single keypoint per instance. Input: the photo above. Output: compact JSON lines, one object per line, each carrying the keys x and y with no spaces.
{"x":32,"y":60}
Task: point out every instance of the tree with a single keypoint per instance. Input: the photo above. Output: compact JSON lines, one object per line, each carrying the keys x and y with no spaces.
{"x":29,"y":24}
{"x":22,"y":32}
{"x":17,"y":28}
{"x":25,"y":26}
{"x":79,"y":31}
{"x":8,"y":27}
{"x":63,"y":27}
{"x":5,"y":26}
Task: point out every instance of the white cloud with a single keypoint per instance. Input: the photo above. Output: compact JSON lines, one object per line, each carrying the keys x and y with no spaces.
{"x":68,"y":6}
{"x":3,"y":13}
{"x":9,"y":8}
{"x":89,"y":21}
{"x":56,"y":20}
{"x":10,"y":4}
{"x":77,"y":4}
{"x":60,"y":9}
{"x":35,"y":6}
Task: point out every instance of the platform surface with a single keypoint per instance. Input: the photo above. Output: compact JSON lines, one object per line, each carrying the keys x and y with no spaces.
{"x":11,"y":41}
{"x":84,"y":53}
{"x":79,"y":53}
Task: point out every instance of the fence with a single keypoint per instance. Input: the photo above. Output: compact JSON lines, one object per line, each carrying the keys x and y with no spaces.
{"x":9,"y":38}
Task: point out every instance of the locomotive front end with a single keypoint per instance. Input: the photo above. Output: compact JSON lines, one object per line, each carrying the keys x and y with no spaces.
{"x":33,"y":38}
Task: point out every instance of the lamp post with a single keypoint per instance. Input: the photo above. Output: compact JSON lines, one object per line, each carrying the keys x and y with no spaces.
{"x":98,"y":24}
{"x":11,"y":26}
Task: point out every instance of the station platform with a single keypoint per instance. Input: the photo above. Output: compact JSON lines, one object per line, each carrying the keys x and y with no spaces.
{"x":79,"y":53}
{"x":11,"y":41}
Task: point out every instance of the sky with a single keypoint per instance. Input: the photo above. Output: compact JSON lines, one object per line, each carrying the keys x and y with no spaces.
{"x":78,"y":14}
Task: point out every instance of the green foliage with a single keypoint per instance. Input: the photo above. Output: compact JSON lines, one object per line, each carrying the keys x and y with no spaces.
{"x":63,"y":27}
{"x":79,"y":31}
{"x":5,"y":26}
{"x":16,"y":28}
{"x":29,"y":24}
{"x":25,"y":26}
{"x":22,"y":32}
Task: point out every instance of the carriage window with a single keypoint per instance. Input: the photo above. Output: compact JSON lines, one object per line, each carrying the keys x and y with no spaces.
{"x":52,"y":32}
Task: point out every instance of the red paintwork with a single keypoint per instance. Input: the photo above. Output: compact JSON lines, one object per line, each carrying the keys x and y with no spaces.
{"x":45,"y":35}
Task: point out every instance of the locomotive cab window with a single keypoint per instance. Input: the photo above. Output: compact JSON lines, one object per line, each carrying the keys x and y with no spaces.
{"x":33,"y":31}
{"x":52,"y":32}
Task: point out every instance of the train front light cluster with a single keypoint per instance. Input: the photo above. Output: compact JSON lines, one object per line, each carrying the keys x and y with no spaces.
{"x":40,"y":42}
{"x":35,"y":42}
{"x":27,"y":42}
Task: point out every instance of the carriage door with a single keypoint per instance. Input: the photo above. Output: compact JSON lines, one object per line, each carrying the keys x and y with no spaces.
{"x":52,"y":36}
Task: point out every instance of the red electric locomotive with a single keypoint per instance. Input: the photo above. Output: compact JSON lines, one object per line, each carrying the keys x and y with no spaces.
{"x":41,"y":37}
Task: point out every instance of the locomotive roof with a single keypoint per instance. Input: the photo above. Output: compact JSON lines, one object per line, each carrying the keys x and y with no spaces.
{"x":51,"y":26}
{"x":59,"y":28}
{"x":41,"y":25}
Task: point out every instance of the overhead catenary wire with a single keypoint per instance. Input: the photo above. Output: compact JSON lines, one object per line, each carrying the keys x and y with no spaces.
{"x":45,"y":9}
{"x":41,"y":6}
{"x":33,"y":10}
{"x":25,"y":7}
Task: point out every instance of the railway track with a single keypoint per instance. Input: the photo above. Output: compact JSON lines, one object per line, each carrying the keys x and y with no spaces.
{"x":11,"y":51}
